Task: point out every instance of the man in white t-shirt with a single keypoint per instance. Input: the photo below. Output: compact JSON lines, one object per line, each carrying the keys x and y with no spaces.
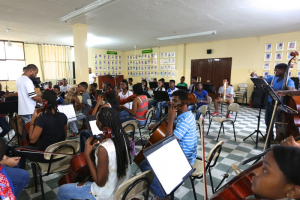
{"x":92,"y":76}
{"x":229,"y":93}
{"x":27,"y":97}
{"x":65,"y":86}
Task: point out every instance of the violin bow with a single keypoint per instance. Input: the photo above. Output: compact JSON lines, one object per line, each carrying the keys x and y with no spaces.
{"x":203,"y":157}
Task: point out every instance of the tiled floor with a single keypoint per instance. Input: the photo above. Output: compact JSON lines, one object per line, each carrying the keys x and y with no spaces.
{"x":232,"y":152}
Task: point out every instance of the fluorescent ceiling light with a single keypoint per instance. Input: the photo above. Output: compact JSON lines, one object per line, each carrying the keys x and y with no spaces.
{"x":84,"y":10}
{"x":188,"y":35}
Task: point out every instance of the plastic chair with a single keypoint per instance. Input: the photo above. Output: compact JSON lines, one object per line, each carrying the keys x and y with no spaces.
{"x":234,"y":107}
{"x":45,"y":169}
{"x":211,"y":161}
{"x":208,"y":106}
{"x":135,"y":186}
{"x":241,"y":93}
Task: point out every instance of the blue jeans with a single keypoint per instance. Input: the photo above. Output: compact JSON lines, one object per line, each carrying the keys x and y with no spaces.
{"x":18,"y":177}
{"x":124,"y":113}
{"x":159,"y":108}
{"x":72,"y":191}
{"x":5,"y":126}
{"x":144,"y":166}
{"x":73,"y":125}
{"x":26,"y":119}
{"x":84,"y":135}
{"x":192,"y":107}
{"x":139,"y":122}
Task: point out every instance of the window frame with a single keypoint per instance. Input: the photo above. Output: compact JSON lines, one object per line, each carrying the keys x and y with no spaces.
{"x":5,"y":50}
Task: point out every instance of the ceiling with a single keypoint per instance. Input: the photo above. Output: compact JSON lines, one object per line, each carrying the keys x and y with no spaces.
{"x":124,"y":23}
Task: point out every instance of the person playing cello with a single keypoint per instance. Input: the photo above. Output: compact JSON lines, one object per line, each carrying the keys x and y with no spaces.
{"x":185,"y":132}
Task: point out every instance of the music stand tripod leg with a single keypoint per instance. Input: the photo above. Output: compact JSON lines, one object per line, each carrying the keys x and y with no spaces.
{"x":267,"y":143}
{"x":257,"y":131}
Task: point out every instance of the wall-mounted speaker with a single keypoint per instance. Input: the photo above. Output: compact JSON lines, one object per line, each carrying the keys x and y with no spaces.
{"x":208,"y":51}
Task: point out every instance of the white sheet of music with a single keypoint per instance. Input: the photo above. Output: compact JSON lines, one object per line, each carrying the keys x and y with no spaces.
{"x":69,"y":111}
{"x":94,"y":127}
{"x":170,"y":165}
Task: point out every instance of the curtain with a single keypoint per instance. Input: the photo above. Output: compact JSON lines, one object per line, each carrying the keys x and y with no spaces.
{"x":56,"y":63}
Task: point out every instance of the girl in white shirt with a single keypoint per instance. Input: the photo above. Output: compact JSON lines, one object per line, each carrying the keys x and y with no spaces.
{"x":112,"y":158}
{"x":124,"y":95}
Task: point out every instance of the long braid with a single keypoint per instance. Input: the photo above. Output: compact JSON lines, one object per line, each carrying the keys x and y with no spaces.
{"x":111,"y":118}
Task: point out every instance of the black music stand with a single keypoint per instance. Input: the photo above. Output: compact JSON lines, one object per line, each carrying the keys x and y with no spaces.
{"x":11,"y":107}
{"x":166,"y":84}
{"x":161,"y":96}
{"x":153,"y":85}
{"x":182,"y":88}
{"x":262,"y":83}
{"x":257,"y":131}
{"x":174,"y":170}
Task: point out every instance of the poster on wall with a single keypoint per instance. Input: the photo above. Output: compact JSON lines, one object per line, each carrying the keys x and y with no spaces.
{"x":291,"y":45}
{"x":173,"y":74}
{"x":96,"y":56}
{"x":268,"y":48}
{"x":173,"y":67}
{"x":278,"y":57}
{"x":265,"y":74}
{"x":279,"y":46}
{"x":161,"y":55}
{"x":266,"y":66}
{"x":268,"y":57}
{"x":100,"y":56}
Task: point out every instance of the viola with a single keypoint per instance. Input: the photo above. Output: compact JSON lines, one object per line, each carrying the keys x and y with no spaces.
{"x":78,"y":165}
{"x":127,"y":100}
{"x":287,"y":123}
{"x":26,"y":141}
{"x":159,"y":131}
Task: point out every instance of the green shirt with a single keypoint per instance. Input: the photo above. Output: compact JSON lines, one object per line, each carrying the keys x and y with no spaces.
{"x":183,"y":84}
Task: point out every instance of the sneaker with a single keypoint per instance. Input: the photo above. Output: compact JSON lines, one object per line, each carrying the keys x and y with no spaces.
{"x":73,"y":135}
{"x":215,"y":113}
{"x":228,"y":116}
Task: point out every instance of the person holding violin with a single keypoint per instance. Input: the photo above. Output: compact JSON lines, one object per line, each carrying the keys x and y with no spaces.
{"x":276,"y":81}
{"x":279,"y":175}
{"x":84,"y":105}
{"x":185,"y":132}
{"x":202,"y":99}
{"x":112,"y":158}
{"x":45,"y":129}
{"x":124,"y":94}
{"x":59,"y":99}
{"x":93,"y":91}
{"x":139,"y":106}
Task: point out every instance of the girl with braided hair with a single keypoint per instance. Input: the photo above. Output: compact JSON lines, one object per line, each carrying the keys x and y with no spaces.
{"x":45,"y":129}
{"x":112,"y":158}
{"x":279,"y":176}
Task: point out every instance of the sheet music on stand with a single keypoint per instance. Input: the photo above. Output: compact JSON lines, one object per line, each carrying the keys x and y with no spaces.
{"x":262,"y":84}
{"x":169,"y":164}
{"x":92,"y":126}
{"x":69,"y":111}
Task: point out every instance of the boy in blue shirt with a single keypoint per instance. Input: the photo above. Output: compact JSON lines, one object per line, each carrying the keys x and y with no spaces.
{"x":202,"y":99}
{"x":277,"y":85}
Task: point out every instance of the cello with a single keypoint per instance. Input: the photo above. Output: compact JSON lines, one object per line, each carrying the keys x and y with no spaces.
{"x":78,"y":164}
{"x":288,"y":124}
{"x":159,"y":131}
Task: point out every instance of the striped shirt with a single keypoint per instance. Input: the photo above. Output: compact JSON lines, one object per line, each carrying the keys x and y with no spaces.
{"x":186,"y":133}
{"x":143,"y":109}
{"x":170,"y":92}
{"x":26,"y":92}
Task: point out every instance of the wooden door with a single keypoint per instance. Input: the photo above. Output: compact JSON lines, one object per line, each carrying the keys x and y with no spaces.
{"x":212,"y":71}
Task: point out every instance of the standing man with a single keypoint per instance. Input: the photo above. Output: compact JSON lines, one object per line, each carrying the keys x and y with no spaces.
{"x":277,"y":85}
{"x":192,"y":87}
{"x":65,"y":86}
{"x":92,"y":76}
{"x":27,"y":97}
{"x":229,"y":92}
{"x":182,"y":83}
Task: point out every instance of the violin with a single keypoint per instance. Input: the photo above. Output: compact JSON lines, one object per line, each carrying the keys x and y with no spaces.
{"x":41,"y":109}
{"x":78,"y":165}
{"x":160,"y":129}
{"x":127,"y":100}
{"x":288,"y":124}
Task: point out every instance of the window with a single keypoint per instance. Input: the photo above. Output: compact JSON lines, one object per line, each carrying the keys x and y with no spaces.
{"x":12,"y":60}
